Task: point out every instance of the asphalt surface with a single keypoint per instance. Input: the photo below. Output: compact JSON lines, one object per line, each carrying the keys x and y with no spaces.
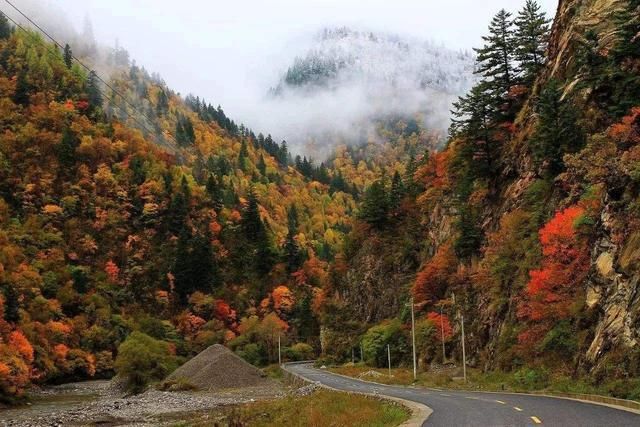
{"x":457,"y":408}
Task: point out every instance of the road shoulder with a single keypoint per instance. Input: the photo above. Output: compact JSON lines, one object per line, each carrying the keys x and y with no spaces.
{"x":419,"y":412}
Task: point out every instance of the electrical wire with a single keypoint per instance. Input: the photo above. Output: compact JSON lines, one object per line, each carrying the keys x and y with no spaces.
{"x":90,"y":70}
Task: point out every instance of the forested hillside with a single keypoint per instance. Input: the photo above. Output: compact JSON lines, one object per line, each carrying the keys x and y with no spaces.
{"x":526,"y":223}
{"x":124,"y":207}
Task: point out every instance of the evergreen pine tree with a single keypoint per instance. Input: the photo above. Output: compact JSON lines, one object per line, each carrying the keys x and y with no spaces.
{"x":262,"y":166}
{"x":557,"y":131}
{"x":625,"y":55}
{"x":243,"y":156}
{"x":375,"y":205}
{"x":21,"y":95}
{"x":469,"y":234}
{"x":162,"y":106}
{"x":5,"y":27}
{"x":93,"y":91}
{"x":11,"y":305}
{"x":67,"y":149}
{"x":68,"y":56}
{"x":291,"y":248}
{"x":397,"y":192}
{"x":495,"y":62}
{"x":473,"y":121}
{"x":215,"y":193}
{"x":531,"y":37}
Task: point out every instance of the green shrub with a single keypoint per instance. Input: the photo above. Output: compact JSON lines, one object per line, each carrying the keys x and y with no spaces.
{"x":142,"y":360}
{"x":375,"y":341}
{"x":299,"y":351}
{"x":531,"y":379}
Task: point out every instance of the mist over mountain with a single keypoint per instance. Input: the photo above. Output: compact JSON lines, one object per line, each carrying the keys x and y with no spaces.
{"x":348,"y":81}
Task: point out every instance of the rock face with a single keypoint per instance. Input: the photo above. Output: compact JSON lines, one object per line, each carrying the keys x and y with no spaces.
{"x":611,"y":292}
{"x":218,"y":368}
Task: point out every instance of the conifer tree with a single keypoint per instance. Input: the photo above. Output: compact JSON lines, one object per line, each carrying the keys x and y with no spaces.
{"x":242,"y":156}
{"x":11,"y":305}
{"x":473,"y":120}
{"x":531,"y":37}
{"x":397,"y":191}
{"x":292,"y":250}
{"x":262,"y":166}
{"x":5,"y":27}
{"x":93,"y":91}
{"x":214,"y":191}
{"x":68,"y":56}
{"x":557,"y":131}
{"x":469,"y":234}
{"x":495,"y":60}
{"x":626,"y":52}
{"x":67,"y":149}
{"x":21,"y":95}
{"x":375,"y":205}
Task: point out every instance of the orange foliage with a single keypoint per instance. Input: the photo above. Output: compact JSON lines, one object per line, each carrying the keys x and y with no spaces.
{"x":442,"y":324}
{"x":18,"y":341}
{"x":112,"y":271}
{"x":628,"y":130}
{"x":434,"y":276}
{"x":283,"y":300}
{"x":551,"y":288}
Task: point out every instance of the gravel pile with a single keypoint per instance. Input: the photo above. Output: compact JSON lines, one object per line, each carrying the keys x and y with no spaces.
{"x":218,"y":368}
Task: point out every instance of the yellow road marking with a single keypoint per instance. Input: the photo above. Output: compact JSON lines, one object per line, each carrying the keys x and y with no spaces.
{"x":517,"y":409}
{"x":536,"y":420}
{"x":500,"y":401}
{"x":471,"y":397}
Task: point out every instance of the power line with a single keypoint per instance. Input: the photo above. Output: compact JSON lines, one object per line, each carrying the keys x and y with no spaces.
{"x":90,"y":70}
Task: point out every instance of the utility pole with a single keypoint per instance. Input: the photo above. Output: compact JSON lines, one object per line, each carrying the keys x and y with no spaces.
{"x":353,"y":356}
{"x":464,"y":355}
{"x":279,"y":352}
{"x":389,"y":357}
{"x":413,"y":337}
{"x":442,"y":333}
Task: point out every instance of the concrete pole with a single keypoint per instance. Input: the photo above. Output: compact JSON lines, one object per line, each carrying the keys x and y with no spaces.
{"x":464,"y":354}
{"x":389,"y":357}
{"x":442,"y":331}
{"x":413,"y":337}
{"x":279,"y":352}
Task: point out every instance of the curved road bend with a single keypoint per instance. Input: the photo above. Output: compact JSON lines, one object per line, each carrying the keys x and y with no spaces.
{"x":458,"y":408}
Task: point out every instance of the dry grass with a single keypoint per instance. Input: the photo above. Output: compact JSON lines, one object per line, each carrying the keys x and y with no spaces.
{"x":323,"y":408}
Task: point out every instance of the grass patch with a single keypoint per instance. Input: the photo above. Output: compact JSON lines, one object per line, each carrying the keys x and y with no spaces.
{"x":274,"y":372}
{"x":323,"y":408}
{"x":525,"y":380}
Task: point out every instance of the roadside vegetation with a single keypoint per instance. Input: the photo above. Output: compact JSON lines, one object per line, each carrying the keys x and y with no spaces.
{"x":322,"y":408}
{"x":523,"y":380}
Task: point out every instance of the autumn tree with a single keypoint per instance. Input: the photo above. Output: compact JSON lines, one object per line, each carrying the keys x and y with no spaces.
{"x":433,"y":278}
{"x":552,"y":289}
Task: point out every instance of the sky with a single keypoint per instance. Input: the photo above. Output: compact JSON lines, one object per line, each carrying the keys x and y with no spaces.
{"x":231,"y":52}
{"x":215,"y":48}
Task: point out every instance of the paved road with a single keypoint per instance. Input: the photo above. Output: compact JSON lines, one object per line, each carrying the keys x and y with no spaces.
{"x":456,"y":408}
